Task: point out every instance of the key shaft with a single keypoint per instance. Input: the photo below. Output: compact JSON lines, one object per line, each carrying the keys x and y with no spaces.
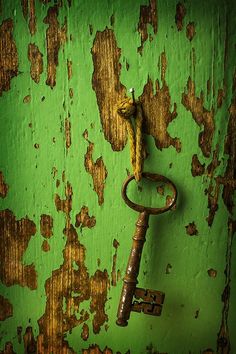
{"x":132,"y":270}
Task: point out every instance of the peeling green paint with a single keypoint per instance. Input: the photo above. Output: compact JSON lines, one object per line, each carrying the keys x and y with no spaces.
{"x":40,"y":156}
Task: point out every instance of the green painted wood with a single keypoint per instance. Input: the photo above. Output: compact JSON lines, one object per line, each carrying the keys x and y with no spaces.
{"x":173,"y":261}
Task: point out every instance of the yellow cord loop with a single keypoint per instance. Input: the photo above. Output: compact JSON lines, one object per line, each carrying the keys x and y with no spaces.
{"x":126,"y":109}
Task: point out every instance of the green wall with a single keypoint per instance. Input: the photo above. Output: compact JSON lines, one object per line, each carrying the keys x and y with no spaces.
{"x":65,"y":232}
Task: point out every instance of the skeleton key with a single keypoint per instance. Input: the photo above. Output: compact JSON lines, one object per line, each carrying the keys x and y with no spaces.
{"x":152,"y":299}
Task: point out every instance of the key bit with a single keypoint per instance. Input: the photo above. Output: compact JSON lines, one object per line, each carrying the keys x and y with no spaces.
{"x":152,"y":301}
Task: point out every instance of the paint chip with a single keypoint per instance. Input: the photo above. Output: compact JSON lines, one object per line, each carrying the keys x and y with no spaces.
{"x":65,"y":205}
{"x":66,"y":288}
{"x":95,"y":349}
{"x":6,"y":308}
{"x":168,"y":268}
{"x":68,"y":133}
{"x":19,"y":334}
{"x":45,"y":246}
{"x":197,"y":168}
{"x":8,"y":55}
{"x":36,"y":60}
{"x":201,"y":115}
{"x":3,"y":186}
{"x":109,"y":92}
{"x":220,"y":97}
{"x":71,"y":92}
{"x":85,"y":332}
{"x":114,"y":261}
{"x":179,"y":15}
{"x":214,"y":187}
{"x":90,"y":30}
{"x":212,"y":273}
{"x":84,"y":220}
{"x":112,"y":20}
{"x":27,"y":99}
{"x":99,"y":283}
{"x":56,"y":36}
{"x":191,"y":229}
{"x":46,"y":225}
{"x":98,"y":172}
{"x":30,"y":344}
{"x":158,"y":104}
{"x":190,"y":31}
{"x":8,"y":349}
{"x":69,"y":69}
{"x":148,"y":16}
{"x":14,"y":240}
{"x":229,"y":149}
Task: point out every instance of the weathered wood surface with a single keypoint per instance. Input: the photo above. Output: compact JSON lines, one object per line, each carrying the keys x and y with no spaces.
{"x":65,"y":233}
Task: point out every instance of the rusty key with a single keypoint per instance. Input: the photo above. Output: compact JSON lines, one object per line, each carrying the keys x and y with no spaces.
{"x":152,"y":300}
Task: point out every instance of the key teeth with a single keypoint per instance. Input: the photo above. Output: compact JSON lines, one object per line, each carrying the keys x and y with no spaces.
{"x":147,"y":308}
{"x":152,"y":301}
{"x":149,"y":295}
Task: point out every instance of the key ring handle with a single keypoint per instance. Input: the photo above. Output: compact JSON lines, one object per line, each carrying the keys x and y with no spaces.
{"x":155,"y":178}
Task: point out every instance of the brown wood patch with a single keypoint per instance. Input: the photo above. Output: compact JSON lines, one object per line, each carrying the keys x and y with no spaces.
{"x":85,"y":332}
{"x":32,"y":18}
{"x":8,"y":349}
{"x":65,"y":205}
{"x":8,"y":55}
{"x":157,"y":111}
{"x":197,"y":168}
{"x":212,"y":273}
{"x":28,"y":10}
{"x":3,"y":186}
{"x":68,"y":133}
{"x":95,"y":349}
{"x":55,"y":37}
{"x":223,"y":338}
{"x":220,"y":97}
{"x":191,"y":229}
{"x":24,"y":6}
{"x":27,"y":99}
{"x":114,"y":261}
{"x":67,"y":288}
{"x":46,"y":225}
{"x":214,"y":187}
{"x":36,"y":59}
{"x":190,"y":31}
{"x":45,"y":246}
{"x":67,"y":285}
{"x":99,"y":283}
{"x":14,"y":240}
{"x":179,"y":16}
{"x":106,"y":84}
{"x":84,"y":220}
{"x":30,"y":344}
{"x":69,"y":69}
{"x":6,"y":308}
{"x":72,"y":286}
{"x":97,"y":170}
{"x":229,"y":179}
{"x":201,"y":115}
{"x":148,"y":16}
